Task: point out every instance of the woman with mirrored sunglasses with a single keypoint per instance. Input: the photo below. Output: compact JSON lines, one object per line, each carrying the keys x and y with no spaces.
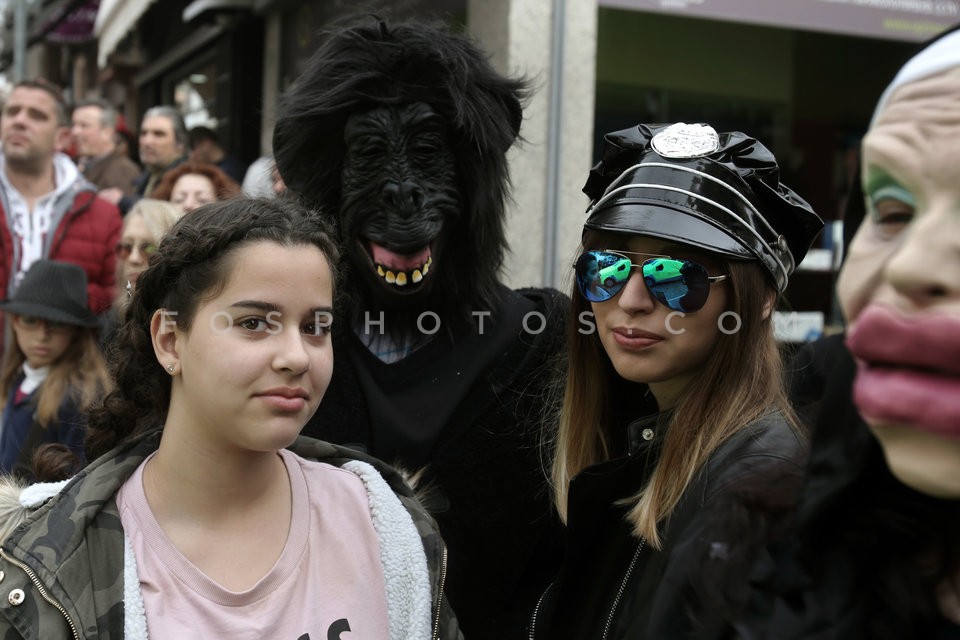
{"x":677,"y":457}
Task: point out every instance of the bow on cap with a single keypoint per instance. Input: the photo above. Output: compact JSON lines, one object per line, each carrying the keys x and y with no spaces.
{"x":689,"y":184}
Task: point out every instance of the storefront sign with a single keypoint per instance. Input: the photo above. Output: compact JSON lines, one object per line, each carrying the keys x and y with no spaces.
{"x":76,"y":27}
{"x":911,"y":20}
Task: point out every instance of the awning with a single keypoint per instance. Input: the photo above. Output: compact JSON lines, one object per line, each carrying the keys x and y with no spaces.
{"x":42,"y":22}
{"x":115,"y":19}
{"x":909,"y":20}
{"x":198,"y":8}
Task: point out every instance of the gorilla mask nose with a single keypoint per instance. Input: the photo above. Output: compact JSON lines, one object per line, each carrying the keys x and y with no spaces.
{"x":405,"y":198}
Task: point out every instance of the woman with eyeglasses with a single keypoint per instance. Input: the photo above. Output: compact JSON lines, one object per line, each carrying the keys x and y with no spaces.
{"x":677,"y":456}
{"x":143,"y":227}
{"x":147,"y":221}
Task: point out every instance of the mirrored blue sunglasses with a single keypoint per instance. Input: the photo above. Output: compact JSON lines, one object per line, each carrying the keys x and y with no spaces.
{"x":681,"y":285}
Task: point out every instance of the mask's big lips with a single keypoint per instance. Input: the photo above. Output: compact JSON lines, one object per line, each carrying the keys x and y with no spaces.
{"x":908,"y":368}
{"x":401,"y":270}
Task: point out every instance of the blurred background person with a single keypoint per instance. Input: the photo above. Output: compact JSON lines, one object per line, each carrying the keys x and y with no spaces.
{"x":126,"y":142}
{"x":143,"y":227}
{"x":54,"y":371}
{"x":49,"y":210}
{"x":195,"y":183}
{"x":259,"y":178}
{"x":94,"y":134}
{"x":163,"y":146}
{"x":205,"y":147}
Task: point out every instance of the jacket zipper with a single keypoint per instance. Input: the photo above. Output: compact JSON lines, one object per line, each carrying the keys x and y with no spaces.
{"x":623,"y":587}
{"x":536,"y":612}
{"x":43,"y":592}
{"x":443,"y":580}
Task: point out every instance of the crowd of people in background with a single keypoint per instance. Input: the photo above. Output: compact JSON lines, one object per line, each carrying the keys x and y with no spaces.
{"x":145,"y":445}
{"x":74,"y":195}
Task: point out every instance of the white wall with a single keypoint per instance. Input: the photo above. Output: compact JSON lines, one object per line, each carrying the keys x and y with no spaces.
{"x":519,"y":36}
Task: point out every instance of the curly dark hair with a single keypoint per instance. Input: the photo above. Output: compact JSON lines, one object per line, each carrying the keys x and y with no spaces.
{"x":189,"y":267}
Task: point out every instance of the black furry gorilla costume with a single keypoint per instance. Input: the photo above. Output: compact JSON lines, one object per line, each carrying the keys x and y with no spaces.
{"x":399,"y":133}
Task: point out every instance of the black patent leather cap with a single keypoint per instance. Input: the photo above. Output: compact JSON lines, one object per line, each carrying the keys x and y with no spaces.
{"x":719,"y":192}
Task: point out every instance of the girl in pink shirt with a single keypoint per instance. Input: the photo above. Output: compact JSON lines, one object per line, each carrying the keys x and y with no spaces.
{"x":205,"y":515}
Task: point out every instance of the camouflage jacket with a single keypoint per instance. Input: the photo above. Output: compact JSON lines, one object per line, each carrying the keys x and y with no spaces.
{"x":62,"y":567}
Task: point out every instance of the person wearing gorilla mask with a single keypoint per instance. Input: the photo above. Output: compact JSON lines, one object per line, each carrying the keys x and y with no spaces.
{"x":398,"y":132}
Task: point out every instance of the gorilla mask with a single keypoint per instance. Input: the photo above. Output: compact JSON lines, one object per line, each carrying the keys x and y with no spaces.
{"x":399,"y":193}
{"x":400,"y":134}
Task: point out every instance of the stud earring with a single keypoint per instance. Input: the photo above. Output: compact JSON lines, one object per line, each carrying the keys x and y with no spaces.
{"x":170,"y":368}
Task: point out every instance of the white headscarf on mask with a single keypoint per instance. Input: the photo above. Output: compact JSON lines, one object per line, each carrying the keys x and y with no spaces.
{"x":938,"y":56}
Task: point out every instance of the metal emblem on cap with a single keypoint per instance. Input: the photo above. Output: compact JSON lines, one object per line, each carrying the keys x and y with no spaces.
{"x":682,"y":140}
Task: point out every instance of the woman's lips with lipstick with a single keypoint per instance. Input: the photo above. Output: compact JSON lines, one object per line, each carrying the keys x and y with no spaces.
{"x":908,"y":369}
{"x":630,"y":338}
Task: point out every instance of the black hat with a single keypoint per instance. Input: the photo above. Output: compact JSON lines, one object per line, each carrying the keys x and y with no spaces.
{"x":55,"y":291}
{"x":687,"y":183}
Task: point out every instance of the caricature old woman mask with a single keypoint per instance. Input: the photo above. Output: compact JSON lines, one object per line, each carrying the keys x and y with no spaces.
{"x":900,"y":285}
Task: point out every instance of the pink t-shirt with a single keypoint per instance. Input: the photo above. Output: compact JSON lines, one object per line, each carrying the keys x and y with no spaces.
{"x":327,"y":581}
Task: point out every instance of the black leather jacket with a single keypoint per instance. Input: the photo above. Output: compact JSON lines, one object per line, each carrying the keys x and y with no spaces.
{"x":613,"y":585}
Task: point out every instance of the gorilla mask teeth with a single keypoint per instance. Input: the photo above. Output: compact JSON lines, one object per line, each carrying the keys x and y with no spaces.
{"x":402,"y":278}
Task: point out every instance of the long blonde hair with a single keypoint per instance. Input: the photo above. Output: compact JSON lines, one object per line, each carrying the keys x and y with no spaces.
{"x":740,"y":382}
{"x":80,"y":372}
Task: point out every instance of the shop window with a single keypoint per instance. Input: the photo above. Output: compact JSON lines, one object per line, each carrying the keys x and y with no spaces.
{"x":195,"y":95}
